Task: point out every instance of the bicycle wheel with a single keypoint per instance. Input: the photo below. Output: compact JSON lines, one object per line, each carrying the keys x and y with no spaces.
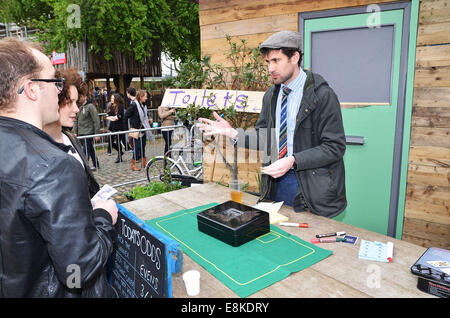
{"x":155,"y":168}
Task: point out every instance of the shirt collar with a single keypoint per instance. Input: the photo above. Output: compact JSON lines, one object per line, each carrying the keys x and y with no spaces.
{"x":296,"y":83}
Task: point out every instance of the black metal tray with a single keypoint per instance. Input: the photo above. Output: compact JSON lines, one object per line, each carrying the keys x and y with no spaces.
{"x":233,"y":223}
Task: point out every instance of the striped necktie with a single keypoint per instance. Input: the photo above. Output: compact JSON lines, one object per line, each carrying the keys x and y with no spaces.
{"x":282,"y":149}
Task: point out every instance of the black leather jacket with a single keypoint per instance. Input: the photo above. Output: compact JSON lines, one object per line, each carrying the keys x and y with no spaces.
{"x":52,"y":244}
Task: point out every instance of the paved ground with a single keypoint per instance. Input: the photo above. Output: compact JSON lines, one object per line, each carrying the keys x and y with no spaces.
{"x":118,"y":173}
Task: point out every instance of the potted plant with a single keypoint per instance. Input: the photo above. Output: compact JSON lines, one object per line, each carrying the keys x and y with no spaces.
{"x":245,"y":70}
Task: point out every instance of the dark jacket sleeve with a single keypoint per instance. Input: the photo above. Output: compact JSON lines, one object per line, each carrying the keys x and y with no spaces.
{"x":130,"y":110}
{"x":59,"y":208}
{"x":329,"y":129}
{"x":133,"y":115}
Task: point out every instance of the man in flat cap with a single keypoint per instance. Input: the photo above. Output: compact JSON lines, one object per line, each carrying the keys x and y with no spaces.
{"x":301,"y":130}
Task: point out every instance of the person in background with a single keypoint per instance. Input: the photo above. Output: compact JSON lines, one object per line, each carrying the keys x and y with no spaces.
{"x":137,"y":115}
{"x":68,"y":110}
{"x":105,"y":96}
{"x":88,"y":123}
{"x":52,"y":242}
{"x":168,"y":119}
{"x":109,"y":106}
{"x":116,"y":118}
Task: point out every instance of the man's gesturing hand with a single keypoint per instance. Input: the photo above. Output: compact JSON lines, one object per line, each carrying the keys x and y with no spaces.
{"x":219,"y":126}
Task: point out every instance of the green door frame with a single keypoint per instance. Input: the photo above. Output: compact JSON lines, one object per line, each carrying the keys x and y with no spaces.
{"x":401,"y":95}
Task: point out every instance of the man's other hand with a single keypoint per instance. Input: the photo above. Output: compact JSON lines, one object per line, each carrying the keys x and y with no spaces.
{"x":279,"y":167}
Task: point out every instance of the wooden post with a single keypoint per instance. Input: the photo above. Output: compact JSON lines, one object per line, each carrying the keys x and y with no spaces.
{"x":108,"y":87}
{"x":122,"y":84}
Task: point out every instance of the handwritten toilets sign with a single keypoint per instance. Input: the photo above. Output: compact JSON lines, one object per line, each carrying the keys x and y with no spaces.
{"x":246,"y":101}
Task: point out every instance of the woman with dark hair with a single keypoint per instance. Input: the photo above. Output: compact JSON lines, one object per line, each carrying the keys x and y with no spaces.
{"x":115,"y":116}
{"x":137,"y":114}
{"x":68,"y":109}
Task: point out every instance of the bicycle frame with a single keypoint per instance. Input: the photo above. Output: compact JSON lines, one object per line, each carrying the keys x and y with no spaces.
{"x":196,"y":172}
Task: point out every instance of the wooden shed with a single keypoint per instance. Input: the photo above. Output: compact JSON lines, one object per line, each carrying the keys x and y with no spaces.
{"x":397,"y":98}
{"x":122,"y":67}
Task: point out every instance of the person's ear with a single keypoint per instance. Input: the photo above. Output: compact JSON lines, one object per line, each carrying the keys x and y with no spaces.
{"x":295,"y":58}
{"x":31,"y":90}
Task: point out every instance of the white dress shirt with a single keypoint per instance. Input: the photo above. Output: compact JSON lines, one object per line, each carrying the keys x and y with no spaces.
{"x":293,"y":105}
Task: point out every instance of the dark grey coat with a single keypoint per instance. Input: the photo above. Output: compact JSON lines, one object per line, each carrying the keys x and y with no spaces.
{"x":319,"y":146}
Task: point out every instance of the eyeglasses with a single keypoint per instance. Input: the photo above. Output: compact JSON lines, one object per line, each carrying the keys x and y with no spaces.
{"x":59,"y":83}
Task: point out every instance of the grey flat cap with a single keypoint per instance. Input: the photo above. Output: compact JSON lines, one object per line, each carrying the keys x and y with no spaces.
{"x":288,"y":39}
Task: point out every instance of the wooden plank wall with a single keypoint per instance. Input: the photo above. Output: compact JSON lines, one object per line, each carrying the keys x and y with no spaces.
{"x":427,"y":215}
{"x":255,"y":20}
{"x":427,"y":220}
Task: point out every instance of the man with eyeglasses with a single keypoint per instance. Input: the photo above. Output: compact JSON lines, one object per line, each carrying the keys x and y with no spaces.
{"x":52,"y":242}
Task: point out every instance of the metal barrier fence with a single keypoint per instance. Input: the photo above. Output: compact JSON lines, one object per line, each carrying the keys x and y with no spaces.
{"x":99,"y":149}
{"x":152,"y":113}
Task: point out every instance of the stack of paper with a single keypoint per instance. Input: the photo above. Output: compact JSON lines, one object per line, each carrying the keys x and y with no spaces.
{"x":272,"y":208}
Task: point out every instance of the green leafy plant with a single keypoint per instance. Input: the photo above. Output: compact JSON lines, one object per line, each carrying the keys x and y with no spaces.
{"x":244,"y":70}
{"x":192,"y":112}
{"x":153,"y":188}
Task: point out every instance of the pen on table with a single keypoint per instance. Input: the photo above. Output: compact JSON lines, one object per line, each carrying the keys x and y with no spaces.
{"x":330,"y":234}
{"x":390,"y":251}
{"x":327,"y":240}
{"x":304,"y":225}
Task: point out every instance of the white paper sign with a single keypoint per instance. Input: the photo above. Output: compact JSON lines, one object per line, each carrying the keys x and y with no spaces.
{"x":247,"y":101}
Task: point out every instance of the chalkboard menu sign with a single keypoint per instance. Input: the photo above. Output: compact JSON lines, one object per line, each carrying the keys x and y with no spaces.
{"x":139,"y":268}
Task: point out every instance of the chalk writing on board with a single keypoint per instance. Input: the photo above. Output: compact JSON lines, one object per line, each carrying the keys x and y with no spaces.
{"x":138,"y":265}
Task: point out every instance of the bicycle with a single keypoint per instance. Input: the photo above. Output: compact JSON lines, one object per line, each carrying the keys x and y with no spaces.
{"x":178,"y":167}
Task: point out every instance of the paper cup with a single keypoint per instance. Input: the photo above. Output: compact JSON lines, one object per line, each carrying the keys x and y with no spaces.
{"x":192,"y":282}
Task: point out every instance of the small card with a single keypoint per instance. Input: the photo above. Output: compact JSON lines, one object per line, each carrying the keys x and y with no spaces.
{"x":350,"y":239}
{"x":104,"y":193}
{"x":373,"y":251}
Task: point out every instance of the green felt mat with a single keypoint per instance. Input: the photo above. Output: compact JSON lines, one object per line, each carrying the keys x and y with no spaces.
{"x":247,"y":268}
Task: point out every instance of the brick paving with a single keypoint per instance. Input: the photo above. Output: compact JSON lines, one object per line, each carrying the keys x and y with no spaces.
{"x":117,"y":173}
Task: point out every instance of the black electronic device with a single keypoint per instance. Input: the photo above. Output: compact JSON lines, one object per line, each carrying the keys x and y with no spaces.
{"x":433,"y":270}
{"x":233,"y":223}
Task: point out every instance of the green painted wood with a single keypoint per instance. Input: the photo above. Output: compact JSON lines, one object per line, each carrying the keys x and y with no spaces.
{"x":368,"y":167}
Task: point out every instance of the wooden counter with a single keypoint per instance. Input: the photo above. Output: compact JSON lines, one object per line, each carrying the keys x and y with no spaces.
{"x":342,"y":274}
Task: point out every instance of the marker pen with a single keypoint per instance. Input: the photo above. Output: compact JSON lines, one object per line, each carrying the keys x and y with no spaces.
{"x":390,"y":251}
{"x":304,"y":225}
{"x":330,"y":234}
{"x":327,"y":240}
